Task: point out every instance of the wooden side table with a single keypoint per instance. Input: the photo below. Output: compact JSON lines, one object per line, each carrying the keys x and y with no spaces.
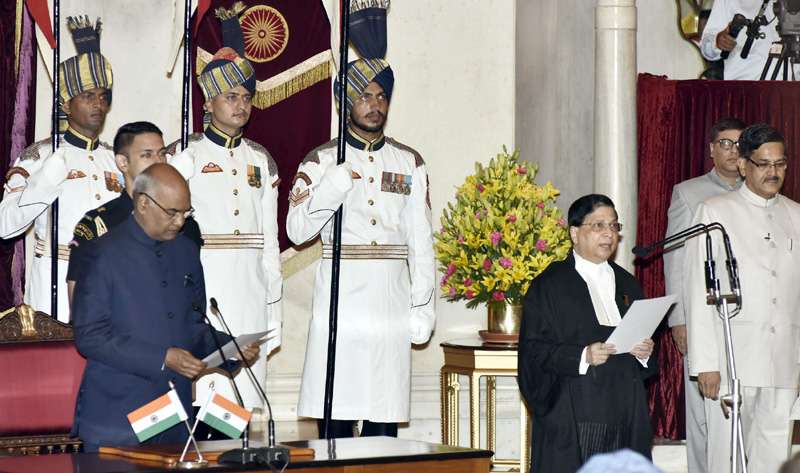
{"x":473,"y":358}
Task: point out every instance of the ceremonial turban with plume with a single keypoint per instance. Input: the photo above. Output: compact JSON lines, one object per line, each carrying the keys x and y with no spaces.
{"x":360,"y":73}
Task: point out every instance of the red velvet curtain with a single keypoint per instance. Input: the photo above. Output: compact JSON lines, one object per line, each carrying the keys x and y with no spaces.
{"x":674,"y":121}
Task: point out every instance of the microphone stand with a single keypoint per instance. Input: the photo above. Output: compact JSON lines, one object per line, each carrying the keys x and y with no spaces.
{"x":714,"y":296}
{"x":271,"y":455}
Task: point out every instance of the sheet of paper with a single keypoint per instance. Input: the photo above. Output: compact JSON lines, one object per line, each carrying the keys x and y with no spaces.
{"x":229,"y":349}
{"x":640,"y":322}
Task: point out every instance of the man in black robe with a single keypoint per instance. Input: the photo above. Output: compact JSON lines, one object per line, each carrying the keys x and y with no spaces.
{"x":583,"y":398}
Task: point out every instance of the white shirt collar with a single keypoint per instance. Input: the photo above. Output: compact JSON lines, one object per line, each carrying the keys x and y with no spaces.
{"x":602,"y":287}
{"x":756,"y":199}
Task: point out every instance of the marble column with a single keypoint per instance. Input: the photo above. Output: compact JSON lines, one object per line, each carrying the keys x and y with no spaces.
{"x":615,"y":162}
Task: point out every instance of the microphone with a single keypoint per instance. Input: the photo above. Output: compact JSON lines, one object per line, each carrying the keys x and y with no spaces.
{"x":272,"y":455}
{"x":712,"y":284}
{"x":225,"y":365}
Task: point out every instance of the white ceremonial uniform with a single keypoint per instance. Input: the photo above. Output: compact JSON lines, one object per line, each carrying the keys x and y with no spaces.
{"x":387,"y":274}
{"x":766,"y":333}
{"x":234,"y":186}
{"x":82,"y":175}
{"x":686,"y":196}
{"x":737,"y":68}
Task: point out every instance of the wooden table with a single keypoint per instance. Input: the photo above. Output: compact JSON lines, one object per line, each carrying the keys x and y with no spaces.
{"x":474,"y":358}
{"x":361,"y":455}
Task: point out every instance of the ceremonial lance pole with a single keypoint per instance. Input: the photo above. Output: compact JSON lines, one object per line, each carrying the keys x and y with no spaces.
{"x":187,"y":39}
{"x":54,"y":136}
{"x":344,"y":39}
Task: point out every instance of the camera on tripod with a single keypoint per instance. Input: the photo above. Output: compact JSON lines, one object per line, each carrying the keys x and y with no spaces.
{"x":788,"y":14}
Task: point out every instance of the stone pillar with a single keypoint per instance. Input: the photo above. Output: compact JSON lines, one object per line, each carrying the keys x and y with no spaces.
{"x":615,"y":161}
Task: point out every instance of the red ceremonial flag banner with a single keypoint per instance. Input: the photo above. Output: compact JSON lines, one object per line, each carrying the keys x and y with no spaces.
{"x":288,"y":43}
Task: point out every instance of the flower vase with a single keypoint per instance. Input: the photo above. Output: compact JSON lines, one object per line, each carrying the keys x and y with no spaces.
{"x":504,"y":319}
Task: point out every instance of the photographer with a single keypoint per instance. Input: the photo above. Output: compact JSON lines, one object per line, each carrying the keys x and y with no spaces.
{"x":717,"y":38}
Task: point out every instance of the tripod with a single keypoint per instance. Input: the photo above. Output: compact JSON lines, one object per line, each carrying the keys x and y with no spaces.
{"x":786,"y":55}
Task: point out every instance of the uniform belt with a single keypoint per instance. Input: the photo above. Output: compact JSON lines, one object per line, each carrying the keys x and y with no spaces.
{"x":368,"y":251}
{"x":42,"y":248}
{"x":225,"y":241}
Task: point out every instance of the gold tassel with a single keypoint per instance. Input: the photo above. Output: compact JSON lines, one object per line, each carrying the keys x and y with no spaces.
{"x":224,"y":14}
{"x":264,"y":99}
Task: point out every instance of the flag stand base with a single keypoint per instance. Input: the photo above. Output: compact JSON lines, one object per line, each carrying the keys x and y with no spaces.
{"x":191,"y":465}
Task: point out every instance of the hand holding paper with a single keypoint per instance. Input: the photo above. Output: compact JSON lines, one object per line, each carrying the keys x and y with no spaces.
{"x":640,"y":322}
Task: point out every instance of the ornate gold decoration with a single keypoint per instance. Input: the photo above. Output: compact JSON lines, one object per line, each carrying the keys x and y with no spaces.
{"x":26,"y":316}
{"x":265,"y":32}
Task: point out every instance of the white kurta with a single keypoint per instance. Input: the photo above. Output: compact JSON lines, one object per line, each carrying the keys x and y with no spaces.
{"x":234,"y":193}
{"x":766,"y":333}
{"x":386,"y":299}
{"x":81,"y":179}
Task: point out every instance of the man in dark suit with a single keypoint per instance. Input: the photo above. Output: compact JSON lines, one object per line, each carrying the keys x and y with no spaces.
{"x":137,"y":314}
{"x":584,"y":399}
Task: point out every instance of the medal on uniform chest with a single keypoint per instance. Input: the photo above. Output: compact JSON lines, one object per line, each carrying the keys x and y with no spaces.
{"x":254,"y":176}
{"x":113,"y":182}
{"x":396,"y":183}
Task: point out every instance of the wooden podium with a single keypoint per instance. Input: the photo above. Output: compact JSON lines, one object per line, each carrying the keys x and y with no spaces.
{"x":359,"y":455}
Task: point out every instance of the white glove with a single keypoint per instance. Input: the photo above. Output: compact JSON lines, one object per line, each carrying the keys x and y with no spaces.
{"x":421,"y":329}
{"x":340,"y":177}
{"x":45,"y":185}
{"x":54,"y":170}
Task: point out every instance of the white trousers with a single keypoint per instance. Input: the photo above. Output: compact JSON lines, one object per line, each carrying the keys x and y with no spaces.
{"x":765,"y":424}
{"x":696,"y":432}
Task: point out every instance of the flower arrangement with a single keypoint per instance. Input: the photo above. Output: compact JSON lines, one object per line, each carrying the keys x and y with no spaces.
{"x":502,"y":231}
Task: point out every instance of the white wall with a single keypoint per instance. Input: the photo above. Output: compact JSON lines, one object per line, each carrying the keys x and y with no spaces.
{"x":660,"y":48}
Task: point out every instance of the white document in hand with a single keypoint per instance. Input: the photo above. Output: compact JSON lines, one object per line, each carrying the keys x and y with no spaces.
{"x":640,"y":322}
{"x":229,"y":349}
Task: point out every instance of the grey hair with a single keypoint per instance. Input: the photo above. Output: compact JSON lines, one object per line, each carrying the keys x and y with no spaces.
{"x":143,"y":184}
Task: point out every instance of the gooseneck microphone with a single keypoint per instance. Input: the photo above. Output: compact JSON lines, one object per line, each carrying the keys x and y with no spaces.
{"x":272,"y":455}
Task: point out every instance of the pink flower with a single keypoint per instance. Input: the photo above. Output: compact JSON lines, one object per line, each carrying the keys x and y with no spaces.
{"x":487,"y":264}
{"x":540,"y":205}
{"x":478,"y":214}
{"x":562,"y":222}
{"x":506,"y":262}
{"x":511,"y":218}
{"x":469,"y":294}
{"x":496,"y":237}
{"x":468,"y":282}
{"x":480,"y":187}
{"x":442,"y":232}
{"x":444,"y":281}
{"x":541,"y":245}
{"x":451,"y":269}
{"x":461,"y":239}
{"x":499,"y":296}
{"x":522,"y":169}
{"x":452,"y":291}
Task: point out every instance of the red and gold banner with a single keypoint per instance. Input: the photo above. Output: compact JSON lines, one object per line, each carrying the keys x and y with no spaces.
{"x":288,"y":43}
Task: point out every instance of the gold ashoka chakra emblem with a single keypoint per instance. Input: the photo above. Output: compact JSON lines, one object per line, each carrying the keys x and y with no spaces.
{"x":265,"y":32}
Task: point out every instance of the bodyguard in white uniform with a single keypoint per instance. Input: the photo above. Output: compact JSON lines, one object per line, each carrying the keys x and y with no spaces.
{"x":763,"y":227}
{"x":686,"y":196}
{"x":234,"y":184}
{"x":386,"y":288}
{"x":81,"y":174}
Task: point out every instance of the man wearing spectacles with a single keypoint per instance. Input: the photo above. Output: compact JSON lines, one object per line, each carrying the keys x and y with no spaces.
{"x":686,"y":197}
{"x":138,"y":314}
{"x":137,"y":146}
{"x":763,"y":228}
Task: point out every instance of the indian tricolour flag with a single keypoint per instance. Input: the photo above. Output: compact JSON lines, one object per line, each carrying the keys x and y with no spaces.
{"x":224,"y":415}
{"x":157,"y":416}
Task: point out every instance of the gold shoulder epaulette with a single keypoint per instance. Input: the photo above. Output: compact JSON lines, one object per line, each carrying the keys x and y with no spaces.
{"x":418,"y":161}
{"x":313,"y":155}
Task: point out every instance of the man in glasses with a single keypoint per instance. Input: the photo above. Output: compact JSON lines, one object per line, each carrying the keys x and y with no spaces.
{"x":137,"y":146}
{"x":138,"y":315}
{"x":762,"y":225}
{"x":686,"y":196}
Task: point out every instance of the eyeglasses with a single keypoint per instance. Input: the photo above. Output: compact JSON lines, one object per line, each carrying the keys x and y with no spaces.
{"x":779,"y":165}
{"x":172,"y":213}
{"x":598,"y":227}
{"x":728,"y":144}
{"x":366,"y":98}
